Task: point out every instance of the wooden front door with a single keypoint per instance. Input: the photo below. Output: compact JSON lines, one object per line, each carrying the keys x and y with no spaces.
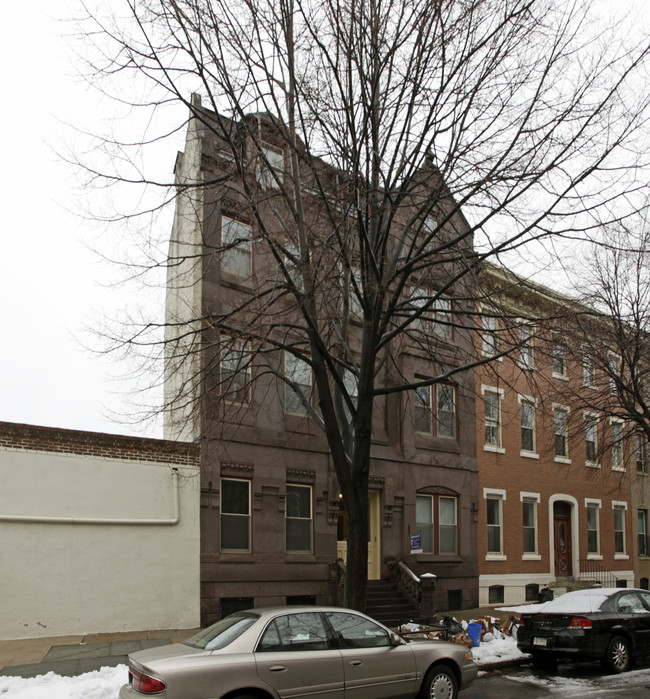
{"x":562,"y":539}
{"x":374,"y":535}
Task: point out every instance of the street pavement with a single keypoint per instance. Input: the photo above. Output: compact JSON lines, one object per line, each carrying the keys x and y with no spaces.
{"x":69,"y":656}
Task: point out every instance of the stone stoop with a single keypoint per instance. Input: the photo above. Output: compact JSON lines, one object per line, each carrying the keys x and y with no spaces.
{"x":386,"y":604}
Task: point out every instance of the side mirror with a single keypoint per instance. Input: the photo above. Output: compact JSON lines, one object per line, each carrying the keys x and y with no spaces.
{"x":395,"y":640}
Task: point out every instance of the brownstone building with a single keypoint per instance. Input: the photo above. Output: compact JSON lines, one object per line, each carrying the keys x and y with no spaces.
{"x":272,"y":525}
{"x":555,"y":471}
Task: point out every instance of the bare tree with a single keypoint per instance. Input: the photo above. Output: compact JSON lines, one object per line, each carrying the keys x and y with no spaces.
{"x":349,"y":136}
{"x":610,"y":336}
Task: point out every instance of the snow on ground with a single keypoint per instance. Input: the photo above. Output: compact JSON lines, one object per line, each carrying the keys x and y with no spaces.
{"x":106,"y":683}
{"x":101,"y":684}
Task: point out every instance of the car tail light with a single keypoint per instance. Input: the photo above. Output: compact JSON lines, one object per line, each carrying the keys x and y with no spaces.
{"x":142,"y":682}
{"x":521,"y":621}
{"x":579,"y":622}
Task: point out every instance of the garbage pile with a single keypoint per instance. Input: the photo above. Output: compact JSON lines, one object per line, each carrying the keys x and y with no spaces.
{"x":470,"y":634}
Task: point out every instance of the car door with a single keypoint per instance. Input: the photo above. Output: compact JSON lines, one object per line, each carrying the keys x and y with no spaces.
{"x":634,"y":616}
{"x":295,"y":657}
{"x":374,"y":667}
{"x":644,"y":623}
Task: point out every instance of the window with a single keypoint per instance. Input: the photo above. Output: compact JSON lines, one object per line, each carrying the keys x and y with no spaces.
{"x":495,"y":594}
{"x":492,"y":418}
{"x":591,"y":442}
{"x":530,"y":525}
{"x":355,"y":292}
{"x":423,"y":411}
{"x":442,"y":316}
{"x":642,"y":527}
{"x":614,"y":369}
{"x":440,"y":509}
{"x":445,"y":415}
{"x":447,"y":525}
{"x":418,"y":300}
{"x":559,"y":361}
{"x":527,"y":425}
{"x":489,"y":336}
{"x":639,"y":453}
{"x":235,"y":515}
{"x":494,"y":517}
{"x":588,"y":371}
{"x":357,"y":632}
{"x":619,"y":528}
{"x":526,"y":359}
{"x":295,"y":632}
{"x":271,"y":166}
{"x":236,"y":243}
{"x":593,"y":531}
{"x":235,"y":371}
{"x":560,"y":420}
{"x":616,"y":429}
{"x":446,"y":410}
{"x":298,"y":519}
{"x":298,"y":372}
{"x":532,"y":592}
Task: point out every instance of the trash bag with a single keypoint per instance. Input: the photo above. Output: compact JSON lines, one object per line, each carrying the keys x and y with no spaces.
{"x":451,"y":625}
{"x":545,"y":595}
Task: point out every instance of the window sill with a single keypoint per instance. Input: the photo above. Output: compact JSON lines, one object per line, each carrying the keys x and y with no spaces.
{"x":495,"y":557}
{"x":592,"y":464}
{"x":620,"y":469}
{"x":531,"y":557}
{"x":594,"y":557}
{"x":529,"y":454}
{"x":621,"y":557}
{"x":495,"y":450}
{"x":562,"y":460}
{"x":561,"y":377}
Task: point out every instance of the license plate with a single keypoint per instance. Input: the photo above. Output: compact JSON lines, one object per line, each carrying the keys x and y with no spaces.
{"x":537,"y":641}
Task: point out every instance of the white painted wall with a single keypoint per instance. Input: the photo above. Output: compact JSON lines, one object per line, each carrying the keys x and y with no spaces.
{"x":60,"y":578}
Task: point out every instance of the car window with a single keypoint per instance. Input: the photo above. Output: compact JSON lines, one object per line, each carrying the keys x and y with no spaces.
{"x":645,"y":596}
{"x":300,"y":632}
{"x":629,"y":604}
{"x":356,"y":632}
{"x":222,"y":633}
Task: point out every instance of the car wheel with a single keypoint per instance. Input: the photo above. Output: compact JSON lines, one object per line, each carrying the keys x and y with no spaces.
{"x":617,"y":655}
{"x":440,"y":683}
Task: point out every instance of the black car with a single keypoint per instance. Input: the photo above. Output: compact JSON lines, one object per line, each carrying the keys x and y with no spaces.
{"x":607,"y":624}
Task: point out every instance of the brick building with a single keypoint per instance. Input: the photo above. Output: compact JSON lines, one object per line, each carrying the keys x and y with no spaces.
{"x":555,"y":472}
{"x":272,"y":525}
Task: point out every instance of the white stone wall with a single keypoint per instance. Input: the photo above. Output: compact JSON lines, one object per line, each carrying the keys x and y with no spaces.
{"x":96,"y":544}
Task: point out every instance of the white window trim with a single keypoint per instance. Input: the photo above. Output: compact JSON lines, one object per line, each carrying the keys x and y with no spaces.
{"x":492,"y":389}
{"x":534,"y":402}
{"x":486,"y":310}
{"x":621,"y":468}
{"x":532,"y":497}
{"x":595,"y":502}
{"x":531,"y":326}
{"x":589,"y":415}
{"x":562,"y":377}
{"x":567,"y":411}
{"x":501,"y":494}
{"x":621,"y":505}
{"x":586,"y":353}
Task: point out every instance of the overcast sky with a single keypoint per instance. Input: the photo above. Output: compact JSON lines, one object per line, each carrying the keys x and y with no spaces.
{"x":51,"y":283}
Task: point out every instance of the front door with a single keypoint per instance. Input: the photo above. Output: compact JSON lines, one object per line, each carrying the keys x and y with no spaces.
{"x":562,"y":539}
{"x":374,"y":535}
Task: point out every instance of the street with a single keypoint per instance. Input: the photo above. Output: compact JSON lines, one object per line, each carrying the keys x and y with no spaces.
{"x":568,"y":680}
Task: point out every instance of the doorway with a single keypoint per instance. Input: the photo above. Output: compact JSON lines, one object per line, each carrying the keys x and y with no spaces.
{"x":562,"y":540}
{"x":374,"y":535}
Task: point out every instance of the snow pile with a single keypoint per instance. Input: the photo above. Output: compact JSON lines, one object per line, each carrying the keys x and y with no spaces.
{"x":498,"y":650}
{"x":100,"y":684}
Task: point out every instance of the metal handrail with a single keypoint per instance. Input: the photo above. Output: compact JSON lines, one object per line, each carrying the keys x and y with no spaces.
{"x":596,"y":571}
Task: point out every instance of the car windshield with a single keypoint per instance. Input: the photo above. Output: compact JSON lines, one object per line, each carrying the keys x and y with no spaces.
{"x":224,"y":632}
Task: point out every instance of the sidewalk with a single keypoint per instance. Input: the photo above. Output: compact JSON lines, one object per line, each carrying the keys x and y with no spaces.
{"x":73,"y":655}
